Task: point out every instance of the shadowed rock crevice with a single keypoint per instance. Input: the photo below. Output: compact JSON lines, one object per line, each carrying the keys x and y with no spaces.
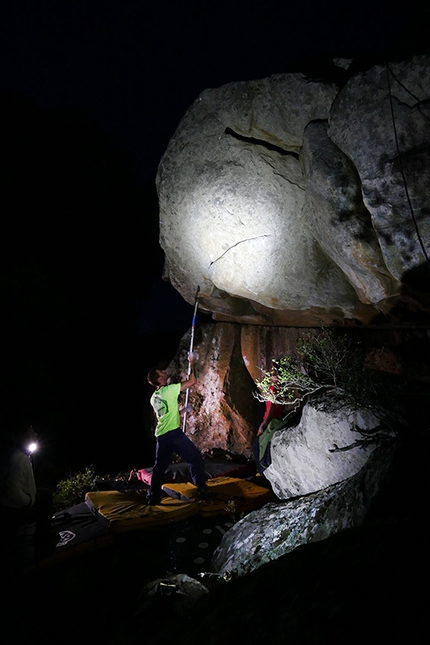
{"x":260,"y":142}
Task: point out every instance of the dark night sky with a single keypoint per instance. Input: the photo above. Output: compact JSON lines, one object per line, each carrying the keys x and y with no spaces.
{"x":90,"y":94}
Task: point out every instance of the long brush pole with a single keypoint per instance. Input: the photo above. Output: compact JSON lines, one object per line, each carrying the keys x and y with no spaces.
{"x":193,"y":325}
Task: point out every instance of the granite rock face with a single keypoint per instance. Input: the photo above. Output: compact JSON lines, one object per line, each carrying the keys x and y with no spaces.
{"x":276,"y":529}
{"x":373,"y":113}
{"x":223,"y":413}
{"x":331,"y":443}
{"x":292,"y":201}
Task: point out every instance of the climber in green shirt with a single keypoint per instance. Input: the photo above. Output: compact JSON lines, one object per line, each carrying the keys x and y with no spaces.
{"x":168,"y":434}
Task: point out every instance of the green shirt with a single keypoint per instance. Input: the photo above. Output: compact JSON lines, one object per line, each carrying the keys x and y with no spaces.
{"x":165,"y":404}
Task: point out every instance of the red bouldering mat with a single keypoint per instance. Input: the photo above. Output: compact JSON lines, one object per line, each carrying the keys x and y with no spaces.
{"x":213,"y":467}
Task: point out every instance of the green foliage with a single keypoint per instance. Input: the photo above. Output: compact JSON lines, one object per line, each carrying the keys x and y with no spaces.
{"x":336,"y":360}
{"x":292,"y":383}
{"x":328,"y":359}
{"x":71,"y":491}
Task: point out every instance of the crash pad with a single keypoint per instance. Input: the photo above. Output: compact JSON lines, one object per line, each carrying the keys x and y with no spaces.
{"x":180,"y":472}
{"x":74,"y":531}
{"x":231,"y":495}
{"x":78,"y":531}
{"x":128,"y":510}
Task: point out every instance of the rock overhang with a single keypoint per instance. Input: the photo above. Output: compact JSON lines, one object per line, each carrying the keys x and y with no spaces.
{"x":270,"y":198}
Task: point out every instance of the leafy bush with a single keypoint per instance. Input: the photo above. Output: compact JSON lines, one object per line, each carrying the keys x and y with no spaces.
{"x":335,"y":359}
{"x":286,"y":383}
{"x":72,"y":490}
{"x":326,"y":360}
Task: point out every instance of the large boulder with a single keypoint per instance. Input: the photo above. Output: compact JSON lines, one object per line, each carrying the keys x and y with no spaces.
{"x":283,"y":198}
{"x":331,"y":443}
{"x":279,"y":528}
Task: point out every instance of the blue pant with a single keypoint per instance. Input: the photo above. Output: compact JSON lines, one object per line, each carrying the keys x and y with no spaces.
{"x":178,"y":442}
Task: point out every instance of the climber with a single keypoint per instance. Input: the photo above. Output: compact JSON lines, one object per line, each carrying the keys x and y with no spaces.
{"x":169,"y":436}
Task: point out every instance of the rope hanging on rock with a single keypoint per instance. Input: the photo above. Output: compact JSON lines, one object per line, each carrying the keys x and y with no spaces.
{"x":399,"y":157}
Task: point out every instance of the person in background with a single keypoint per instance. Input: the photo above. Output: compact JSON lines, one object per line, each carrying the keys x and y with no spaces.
{"x":272,"y":411}
{"x":169,"y":437}
{"x":21,"y":502}
{"x":261,"y":443}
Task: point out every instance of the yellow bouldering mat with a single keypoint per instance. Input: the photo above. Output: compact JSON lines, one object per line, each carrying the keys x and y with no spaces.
{"x":230,"y":495}
{"x":127,"y":510}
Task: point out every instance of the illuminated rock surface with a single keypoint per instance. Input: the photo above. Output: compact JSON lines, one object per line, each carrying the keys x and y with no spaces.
{"x":331,"y":443}
{"x":223,"y":411}
{"x":224,"y":414}
{"x":277,"y":529}
{"x":284,"y":200}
